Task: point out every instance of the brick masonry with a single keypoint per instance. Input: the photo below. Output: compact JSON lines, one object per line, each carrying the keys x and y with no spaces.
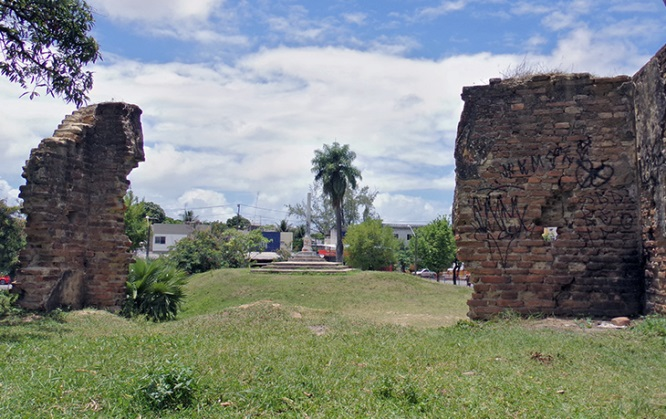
{"x":77,"y":253}
{"x":580,"y":154}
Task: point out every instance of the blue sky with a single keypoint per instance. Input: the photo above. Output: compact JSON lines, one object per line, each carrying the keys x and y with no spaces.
{"x":238,"y":94}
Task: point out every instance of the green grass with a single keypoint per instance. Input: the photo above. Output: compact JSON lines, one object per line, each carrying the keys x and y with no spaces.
{"x":358,"y":345}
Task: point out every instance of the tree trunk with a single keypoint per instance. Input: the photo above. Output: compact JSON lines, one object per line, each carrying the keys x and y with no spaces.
{"x":339,"y":249}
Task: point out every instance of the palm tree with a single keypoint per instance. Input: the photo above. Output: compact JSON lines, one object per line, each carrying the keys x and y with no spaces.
{"x":333,"y":167}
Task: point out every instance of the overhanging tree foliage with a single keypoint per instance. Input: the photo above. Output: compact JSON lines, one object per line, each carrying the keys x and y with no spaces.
{"x":436,"y":245}
{"x":45,"y":44}
{"x":371,"y":245}
{"x":333,"y":166}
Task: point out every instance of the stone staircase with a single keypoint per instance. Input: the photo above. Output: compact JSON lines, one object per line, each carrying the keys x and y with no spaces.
{"x":304,"y":262}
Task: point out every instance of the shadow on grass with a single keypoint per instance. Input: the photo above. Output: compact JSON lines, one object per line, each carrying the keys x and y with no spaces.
{"x":28,"y":326}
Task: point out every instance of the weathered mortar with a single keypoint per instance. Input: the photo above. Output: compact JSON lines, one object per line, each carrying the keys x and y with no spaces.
{"x":550,"y":151}
{"x":77,"y":253}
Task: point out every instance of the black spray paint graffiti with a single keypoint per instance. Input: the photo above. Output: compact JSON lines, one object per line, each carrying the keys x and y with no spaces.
{"x":651,"y":159}
{"x":555,"y":157}
{"x":588,"y":173}
{"x":606,"y":212}
{"x":499,"y":220}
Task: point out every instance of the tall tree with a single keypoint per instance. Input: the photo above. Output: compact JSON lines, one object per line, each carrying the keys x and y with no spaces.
{"x":436,"y":245}
{"x":155,"y":212}
{"x":333,"y":166}
{"x":138,"y":217}
{"x":136,"y":225}
{"x":238,"y":222}
{"x":45,"y":44}
{"x":12,"y":238}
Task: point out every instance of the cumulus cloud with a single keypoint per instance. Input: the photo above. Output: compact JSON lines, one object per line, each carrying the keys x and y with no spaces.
{"x":206,"y":204}
{"x":8,"y":193}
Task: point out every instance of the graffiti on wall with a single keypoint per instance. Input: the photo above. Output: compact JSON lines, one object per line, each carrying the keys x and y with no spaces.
{"x":499,"y":219}
{"x":601,"y":217}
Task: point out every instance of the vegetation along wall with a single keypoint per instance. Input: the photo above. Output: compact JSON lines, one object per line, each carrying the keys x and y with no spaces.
{"x":558,"y":205}
{"x":77,"y":253}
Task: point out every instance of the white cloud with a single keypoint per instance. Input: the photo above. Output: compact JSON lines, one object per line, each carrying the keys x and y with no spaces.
{"x":559,"y":20}
{"x":206,"y":204}
{"x":255,"y":126}
{"x":400,"y":208}
{"x":156,"y":10}
{"x":530,"y":8}
{"x":443,"y":8}
{"x":8,"y":193}
{"x":355,"y":18}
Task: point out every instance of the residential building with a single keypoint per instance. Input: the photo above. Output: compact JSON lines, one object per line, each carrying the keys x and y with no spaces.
{"x":164,"y":236}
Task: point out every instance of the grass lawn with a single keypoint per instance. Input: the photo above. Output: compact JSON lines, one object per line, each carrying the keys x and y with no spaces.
{"x":365,"y":344}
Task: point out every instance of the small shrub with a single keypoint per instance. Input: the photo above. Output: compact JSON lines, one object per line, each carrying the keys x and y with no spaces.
{"x":169,"y":386}
{"x":57,"y":315}
{"x":401,"y":391}
{"x":154,"y":289}
{"x":8,"y":303}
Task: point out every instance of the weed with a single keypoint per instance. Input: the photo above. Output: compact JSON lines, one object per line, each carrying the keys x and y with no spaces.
{"x":466,"y":325}
{"x":8,"y":303}
{"x":57,"y":315}
{"x":652,"y":325}
{"x":169,"y":386}
{"x":585,"y":323}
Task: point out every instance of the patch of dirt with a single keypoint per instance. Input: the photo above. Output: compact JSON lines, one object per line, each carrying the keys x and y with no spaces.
{"x":318,"y":330}
{"x":576,"y":325}
{"x":259,"y":303}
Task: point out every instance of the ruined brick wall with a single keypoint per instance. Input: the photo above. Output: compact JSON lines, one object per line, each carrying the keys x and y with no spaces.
{"x":650,"y":111}
{"x":551,"y":151}
{"x":77,"y":254}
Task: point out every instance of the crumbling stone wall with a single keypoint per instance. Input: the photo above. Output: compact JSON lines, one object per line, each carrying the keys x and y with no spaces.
{"x":650,"y":110}
{"x":552,"y":151}
{"x":77,"y":253}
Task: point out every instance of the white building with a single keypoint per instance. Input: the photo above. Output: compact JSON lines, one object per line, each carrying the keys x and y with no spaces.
{"x":164,"y":236}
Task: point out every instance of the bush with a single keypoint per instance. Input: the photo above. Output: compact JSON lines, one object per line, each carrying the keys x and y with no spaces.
{"x":7,"y":303}
{"x":154,"y":289}
{"x":371,"y":245}
{"x":207,"y":250}
{"x":200,"y":252}
{"x":169,"y":386}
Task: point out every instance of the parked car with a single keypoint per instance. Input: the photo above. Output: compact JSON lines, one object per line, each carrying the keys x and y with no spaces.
{"x":5,"y":280}
{"x":426,"y":273}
